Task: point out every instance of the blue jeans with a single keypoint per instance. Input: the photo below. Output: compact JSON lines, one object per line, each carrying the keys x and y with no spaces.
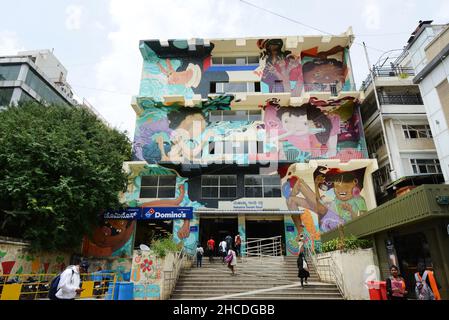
{"x":199,"y":261}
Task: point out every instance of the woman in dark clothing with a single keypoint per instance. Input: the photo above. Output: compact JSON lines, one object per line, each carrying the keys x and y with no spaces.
{"x":303,"y":273}
{"x":396,"y":289}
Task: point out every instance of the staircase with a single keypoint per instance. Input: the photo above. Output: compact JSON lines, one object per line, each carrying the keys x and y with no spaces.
{"x":258,"y":278}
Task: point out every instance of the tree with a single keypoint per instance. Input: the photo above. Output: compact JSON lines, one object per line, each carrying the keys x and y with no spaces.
{"x":60,"y":168}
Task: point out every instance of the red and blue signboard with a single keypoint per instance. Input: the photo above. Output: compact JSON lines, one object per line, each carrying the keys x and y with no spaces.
{"x":151,"y":213}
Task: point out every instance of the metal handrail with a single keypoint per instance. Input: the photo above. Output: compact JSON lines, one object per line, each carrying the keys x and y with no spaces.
{"x":271,"y":249}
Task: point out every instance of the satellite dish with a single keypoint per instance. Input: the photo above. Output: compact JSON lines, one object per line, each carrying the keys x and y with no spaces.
{"x":144,"y":247}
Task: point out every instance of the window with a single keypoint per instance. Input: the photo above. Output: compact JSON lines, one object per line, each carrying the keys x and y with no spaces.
{"x":235,"y":147}
{"x":5,"y":96}
{"x":235,"y":115}
{"x":382,"y":176}
{"x":376,"y":143}
{"x":262,"y":186}
{"x":219,"y":187}
{"x":417,"y":131}
{"x":9,"y":72}
{"x":420,"y":166}
{"x":44,"y":90}
{"x":158,"y":186}
{"x":224,"y":87}
{"x":243,"y":60}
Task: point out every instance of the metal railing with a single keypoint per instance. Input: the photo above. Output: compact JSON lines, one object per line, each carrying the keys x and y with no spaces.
{"x":171,"y":276}
{"x":262,"y":247}
{"x":396,"y":71}
{"x":413,"y":99}
{"x":36,"y":286}
{"x":329,"y":272}
{"x":333,"y":88}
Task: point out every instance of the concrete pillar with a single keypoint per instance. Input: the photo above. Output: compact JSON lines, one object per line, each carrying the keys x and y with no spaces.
{"x":242,"y":231}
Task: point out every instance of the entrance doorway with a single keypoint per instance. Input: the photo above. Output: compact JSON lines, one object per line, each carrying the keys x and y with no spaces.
{"x":412,"y":249}
{"x":265,"y":228}
{"x":217,"y":228}
{"x":149,"y":230}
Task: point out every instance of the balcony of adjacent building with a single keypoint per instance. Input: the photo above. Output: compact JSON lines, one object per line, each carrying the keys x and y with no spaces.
{"x":388,"y":76}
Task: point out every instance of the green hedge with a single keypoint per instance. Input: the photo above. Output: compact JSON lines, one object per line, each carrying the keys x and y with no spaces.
{"x":161,"y":247}
{"x":349,"y":243}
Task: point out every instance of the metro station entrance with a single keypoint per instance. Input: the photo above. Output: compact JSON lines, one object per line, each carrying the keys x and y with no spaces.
{"x":265,"y":227}
{"x":217,"y":228}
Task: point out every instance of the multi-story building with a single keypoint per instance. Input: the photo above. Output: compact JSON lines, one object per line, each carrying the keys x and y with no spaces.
{"x":429,"y":47}
{"x":403,"y":145}
{"x":39,"y":76}
{"x":261,"y":137}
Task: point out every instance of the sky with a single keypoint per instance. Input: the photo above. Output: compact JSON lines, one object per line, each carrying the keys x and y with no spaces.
{"x":98,"y":40}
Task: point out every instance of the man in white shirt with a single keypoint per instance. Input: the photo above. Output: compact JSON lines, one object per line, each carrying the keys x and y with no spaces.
{"x":223,"y":250}
{"x":69,"y":283}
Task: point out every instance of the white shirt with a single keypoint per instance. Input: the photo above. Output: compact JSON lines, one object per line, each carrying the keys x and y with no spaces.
{"x":68,"y":283}
{"x":223,"y":246}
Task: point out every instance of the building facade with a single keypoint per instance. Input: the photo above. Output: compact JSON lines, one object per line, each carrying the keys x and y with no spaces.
{"x":261,"y":137}
{"x":404,"y":145}
{"x":429,"y":47}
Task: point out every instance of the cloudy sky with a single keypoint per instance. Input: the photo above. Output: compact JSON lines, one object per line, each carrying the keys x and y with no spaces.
{"x":97,"y":40}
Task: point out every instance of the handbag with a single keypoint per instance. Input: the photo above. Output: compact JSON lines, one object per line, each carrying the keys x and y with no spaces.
{"x":228,"y":258}
{"x":304,"y":264}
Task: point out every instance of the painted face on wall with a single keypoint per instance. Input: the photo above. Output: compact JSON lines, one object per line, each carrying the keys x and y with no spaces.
{"x":293,"y":123}
{"x":113,"y":234}
{"x":181,"y":77}
{"x":343,"y":190}
{"x":324,"y":73}
{"x":193,"y":123}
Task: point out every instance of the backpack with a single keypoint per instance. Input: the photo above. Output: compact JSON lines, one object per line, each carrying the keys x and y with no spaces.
{"x":199,"y":254}
{"x":54,"y":286}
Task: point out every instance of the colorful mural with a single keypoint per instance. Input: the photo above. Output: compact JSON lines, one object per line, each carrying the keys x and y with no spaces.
{"x":16,"y":260}
{"x":319,"y":129}
{"x":146,"y":275}
{"x":180,"y":68}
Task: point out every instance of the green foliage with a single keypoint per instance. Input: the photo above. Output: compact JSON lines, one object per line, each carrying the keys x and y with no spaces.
{"x":349,"y":243}
{"x":60,"y":167}
{"x":161,"y":247}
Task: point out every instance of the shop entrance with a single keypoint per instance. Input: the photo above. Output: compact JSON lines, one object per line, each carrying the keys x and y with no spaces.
{"x":149,"y":230}
{"x":412,"y":249}
{"x":257,"y":228}
{"x":217,"y":228}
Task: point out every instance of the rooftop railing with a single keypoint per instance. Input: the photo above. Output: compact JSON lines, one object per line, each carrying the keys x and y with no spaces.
{"x":399,"y":72}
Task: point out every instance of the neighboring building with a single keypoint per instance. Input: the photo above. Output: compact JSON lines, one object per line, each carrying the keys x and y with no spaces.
{"x":429,"y":48}
{"x":413,"y":158}
{"x":411,"y":229}
{"x":37,"y":76}
{"x":250,"y":133}
{"x":34,"y":75}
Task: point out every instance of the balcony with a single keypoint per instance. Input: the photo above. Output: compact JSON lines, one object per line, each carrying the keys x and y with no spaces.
{"x":397,"y":72}
{"x":403,"y":99}
{"x":333,"y":88}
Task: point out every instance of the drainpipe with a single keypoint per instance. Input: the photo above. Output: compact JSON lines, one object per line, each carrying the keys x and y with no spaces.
{"x":379,"y":109}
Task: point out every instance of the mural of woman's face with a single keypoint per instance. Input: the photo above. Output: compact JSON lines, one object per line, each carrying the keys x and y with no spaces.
{"x":193,"y":124}
{"x":325,"y":73}
{"x":113,"y":234}
{"x":343,"y":190}
{"x":292,"y":123}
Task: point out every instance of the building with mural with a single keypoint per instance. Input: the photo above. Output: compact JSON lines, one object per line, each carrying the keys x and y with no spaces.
{"x":258,"y":136}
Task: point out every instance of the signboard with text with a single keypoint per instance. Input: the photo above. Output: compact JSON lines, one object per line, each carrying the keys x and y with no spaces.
{"x":166,"y":213}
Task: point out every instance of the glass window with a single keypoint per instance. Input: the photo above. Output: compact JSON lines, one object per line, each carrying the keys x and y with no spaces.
{"x":229,"y":60}
{"x":44,"y":90}
{"x":240,"y":60}
{"x":5,"y":96}
{"x":9,"y":72}
{"x":421,"y":166}
{"x":218,"y":187}
{"x":158,"y":186}
{"x":257,"y":186}
{"x":217,"y":60}
{"x":253,"y":60}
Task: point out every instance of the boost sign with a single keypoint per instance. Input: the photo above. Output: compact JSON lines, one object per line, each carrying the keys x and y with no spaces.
{"x":167,"y":213}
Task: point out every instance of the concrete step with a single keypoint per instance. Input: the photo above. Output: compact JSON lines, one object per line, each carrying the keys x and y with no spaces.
{"x":264,"y":296}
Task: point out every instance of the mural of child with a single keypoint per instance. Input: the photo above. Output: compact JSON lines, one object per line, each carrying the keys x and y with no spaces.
{"x":348,"y":202}
{"x":306,"y":127}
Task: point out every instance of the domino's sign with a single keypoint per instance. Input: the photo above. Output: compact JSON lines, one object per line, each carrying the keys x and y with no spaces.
{"x":167,"y":213}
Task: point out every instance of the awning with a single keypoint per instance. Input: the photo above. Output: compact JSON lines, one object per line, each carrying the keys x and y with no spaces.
{"x":248,"y":212}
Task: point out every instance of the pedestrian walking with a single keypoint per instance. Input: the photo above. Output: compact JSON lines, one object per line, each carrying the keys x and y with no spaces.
{"x":211,"y":249}
{"x":231,"y":259}
{"x":303,"y":269}
{"x":396,"y":288}
{"x":222,"y":249}
{"x":426,"y":285}
{"x":70,"y":281}
{"x":238,"y":243}
{"x":228,"y":240}
{"x":199,"y":255}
